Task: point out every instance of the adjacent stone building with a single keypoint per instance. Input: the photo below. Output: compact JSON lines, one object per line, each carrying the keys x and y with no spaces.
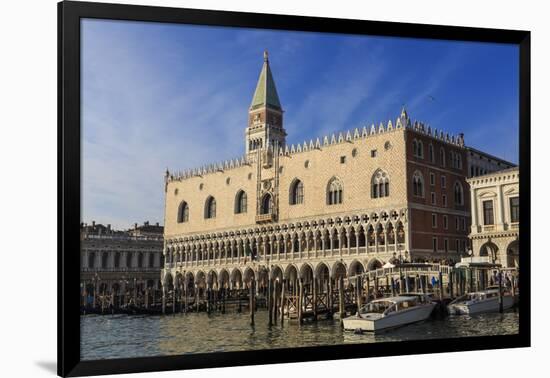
{"x":120,"y":266}
{"x":329,"y":207}
{"x":495,"y":217}
{"x":481,"y":163}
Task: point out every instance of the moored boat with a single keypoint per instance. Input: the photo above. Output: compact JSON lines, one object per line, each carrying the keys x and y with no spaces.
{"x":480,"y":301}
{"x":391,"y":312}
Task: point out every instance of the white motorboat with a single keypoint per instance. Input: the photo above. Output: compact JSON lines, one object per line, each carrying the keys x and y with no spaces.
{"x":480,"y":301}
{"x":390,"y":312}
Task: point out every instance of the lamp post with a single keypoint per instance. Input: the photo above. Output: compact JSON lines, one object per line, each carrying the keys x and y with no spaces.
{"x":400,"y":273}
{"x":269,"y":294}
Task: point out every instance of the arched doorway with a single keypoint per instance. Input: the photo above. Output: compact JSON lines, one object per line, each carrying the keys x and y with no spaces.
{"x":490,"y":250}
{"x":512,"y":255}
{"x":267,"y":204}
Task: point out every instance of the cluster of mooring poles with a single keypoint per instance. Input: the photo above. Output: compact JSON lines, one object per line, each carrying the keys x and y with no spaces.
{"x":302,"y":297}
{"x":110,"y":299}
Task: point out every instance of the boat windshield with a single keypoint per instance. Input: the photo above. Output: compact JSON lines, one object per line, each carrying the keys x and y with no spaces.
{"x":376,"y":307}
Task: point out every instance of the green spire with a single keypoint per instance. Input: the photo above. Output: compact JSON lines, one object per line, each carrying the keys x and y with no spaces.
{"x":266,"y":93}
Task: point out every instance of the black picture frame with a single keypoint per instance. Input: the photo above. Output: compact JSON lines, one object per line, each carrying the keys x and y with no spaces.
{"x":69,"y":154}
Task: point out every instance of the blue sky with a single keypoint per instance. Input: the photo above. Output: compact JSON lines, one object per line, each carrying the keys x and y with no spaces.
{"x":161,"y":95}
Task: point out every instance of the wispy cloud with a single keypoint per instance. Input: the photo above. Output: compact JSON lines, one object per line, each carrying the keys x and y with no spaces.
{"x":158,"y":96}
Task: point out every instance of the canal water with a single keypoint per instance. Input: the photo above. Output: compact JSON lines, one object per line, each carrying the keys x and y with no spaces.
{"x":121,"y":336}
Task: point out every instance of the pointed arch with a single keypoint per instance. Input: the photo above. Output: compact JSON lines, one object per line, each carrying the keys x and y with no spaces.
{"x":210,"y":208}
{"x":266,"y":204}
{"x":380,"y":184}
{"x":418,"y":184}
{"x":458,"y":194}
{"x":335,"y":191}
{"x":420,"y":150}
{"x":183,"y":212}
{"x":241,"y":202}
{"x":296,"y":195}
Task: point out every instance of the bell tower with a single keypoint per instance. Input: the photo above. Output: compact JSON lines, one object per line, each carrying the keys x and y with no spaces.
{"x":265,"y":116}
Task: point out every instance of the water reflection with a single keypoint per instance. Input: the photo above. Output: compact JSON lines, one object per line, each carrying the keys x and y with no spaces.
{"x":138,"y":336}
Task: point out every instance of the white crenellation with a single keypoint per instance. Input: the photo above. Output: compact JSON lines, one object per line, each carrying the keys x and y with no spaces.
{"x":347,"y":136}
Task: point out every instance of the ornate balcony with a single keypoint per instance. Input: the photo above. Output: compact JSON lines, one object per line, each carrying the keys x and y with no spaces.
{"x":264,"y":218}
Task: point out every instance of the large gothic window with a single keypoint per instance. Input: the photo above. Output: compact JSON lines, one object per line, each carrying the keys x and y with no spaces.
{"x":418,"y":184}
{"x":183,"y":212}
{"x":267,"y":204}
{"x":442,"y":156}
{"x":418,"y":148}
{"x":380,"y":184}
{"x":334,"y":192}
{"x":459,"y":194}
{"x":210,"y":208}
{"x":431,"y":153}
{"x":240,"y":202}
{"x":296,"y":192}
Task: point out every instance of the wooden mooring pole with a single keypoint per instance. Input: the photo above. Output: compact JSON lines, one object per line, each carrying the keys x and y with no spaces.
{"x":341,"y":298}
{"x":367,"y":296}
{"x":315,"y":288}
{"x":440,"y":279}
{"x":174,"y":297}
{"x":269,"y":302}
{"x":276,"y":296}
{"x":301,"y":301}
{"x":451,"y":283}
{"x":283,"y":288}
{"x":329,"y":299}
{"x":359,"y":292}
{"x":164,"y":300}
{"x":251,"y":302}
{"x":185,"y":297}
{"x":500,"y":303}
{"x":224,"y":298}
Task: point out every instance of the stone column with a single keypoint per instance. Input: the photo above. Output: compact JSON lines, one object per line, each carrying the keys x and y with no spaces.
{"x":474,"y":214}
{"x":501,"y":207}
{"x":375,"y":233}
{"x":340,"y":243}
{"x":164,"y":299}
